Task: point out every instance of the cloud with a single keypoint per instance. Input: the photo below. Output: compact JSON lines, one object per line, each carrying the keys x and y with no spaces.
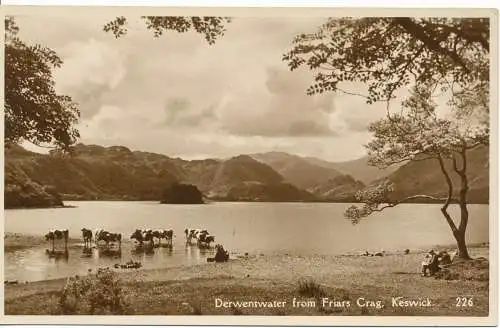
{"x":179,"y":112}
{"x":91,"y":70}
{"x":281,"y":109}
{"x":353,"y":114}
{"x":179,"y":96}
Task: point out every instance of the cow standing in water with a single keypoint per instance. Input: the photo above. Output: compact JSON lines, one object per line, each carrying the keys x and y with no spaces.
{"x":168,"y":235}
{"x":87,"y":237}
{"x":108,"y":237}
{"x":142,"y":237}
{"x":193,"y":234}
{"x":54,"y":235}
{"x":204,"y":239}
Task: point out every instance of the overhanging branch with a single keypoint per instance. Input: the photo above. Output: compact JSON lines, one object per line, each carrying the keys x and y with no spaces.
{"x":407,"y":199}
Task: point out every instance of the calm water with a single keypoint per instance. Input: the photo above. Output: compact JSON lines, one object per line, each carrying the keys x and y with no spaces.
{"x":296,"y":228}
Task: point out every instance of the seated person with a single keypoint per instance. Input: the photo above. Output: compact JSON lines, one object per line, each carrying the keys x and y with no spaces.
{"x":444,"y":258}
{"x":221,"y":255}
{"x":430,"y":263}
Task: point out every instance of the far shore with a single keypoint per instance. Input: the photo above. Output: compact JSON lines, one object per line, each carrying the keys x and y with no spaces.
{"x":208,"y":202}
{"x":38,"y":207}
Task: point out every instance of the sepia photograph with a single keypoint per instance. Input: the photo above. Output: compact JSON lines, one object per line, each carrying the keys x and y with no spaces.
{"x":259,"y":162}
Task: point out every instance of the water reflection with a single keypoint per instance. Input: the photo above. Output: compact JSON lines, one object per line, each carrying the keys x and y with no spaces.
{"x":58,"y":255}
{"x":109,"y":253}
{"x":41,"y":263}
{"x":87,"y":252}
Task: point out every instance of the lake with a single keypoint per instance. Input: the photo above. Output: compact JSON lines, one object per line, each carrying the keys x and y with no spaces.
{"x":292,"y":228}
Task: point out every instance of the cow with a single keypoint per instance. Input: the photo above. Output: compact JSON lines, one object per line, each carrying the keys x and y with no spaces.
{"x":204,"y":239}
{"x":194,"y":234}
{"x":167,"y":234}
{"x":87,"y":237}
{"x":142,"y":236}
{"x":54,"y":235}
{"x":108,"y":237}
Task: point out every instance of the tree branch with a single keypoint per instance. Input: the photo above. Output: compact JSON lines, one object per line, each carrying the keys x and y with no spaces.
{"x":407,"y":199}
{"x":419,"y":32}
{"x":351,"y":93}
{"x":403,"y":160}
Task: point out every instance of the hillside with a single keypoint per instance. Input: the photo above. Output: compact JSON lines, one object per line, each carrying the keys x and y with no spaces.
{"x":21,"y":191}
{"x":296,"y":170}
{"x":260,"y":192}
{"x":424,"y":177}
{"x":342,"y":188}
{"x":243,"y":178}
{"x":97,"y":173}
{"x":357,"y":168}
{"x":116,"y":173}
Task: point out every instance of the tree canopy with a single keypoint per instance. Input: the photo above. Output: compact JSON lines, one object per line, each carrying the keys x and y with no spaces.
{"x":210,"y":27}
{"x":34,"y":111}
{"x":393,"y":52}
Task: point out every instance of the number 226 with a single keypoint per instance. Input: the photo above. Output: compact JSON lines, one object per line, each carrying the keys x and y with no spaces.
{"x":464,"y":302}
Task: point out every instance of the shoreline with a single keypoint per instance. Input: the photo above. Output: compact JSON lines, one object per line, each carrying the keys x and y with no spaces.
{"x":274,"y":278}
{"x":212,"y":201}
{"x":40,"y":207}
{"x":15,"y":241}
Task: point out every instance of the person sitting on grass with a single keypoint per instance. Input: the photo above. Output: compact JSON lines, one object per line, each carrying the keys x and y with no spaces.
{"x":430,"y":264}
{"x":444,"y":258}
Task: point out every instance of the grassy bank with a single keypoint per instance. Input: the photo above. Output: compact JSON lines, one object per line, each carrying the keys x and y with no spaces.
{"x":194,"y":289}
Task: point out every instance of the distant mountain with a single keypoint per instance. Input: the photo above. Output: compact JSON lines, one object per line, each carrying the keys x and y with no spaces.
{"x":262,"y":192}
{"x":244,"y":178}
{"x":97,"y":173}
{"x":342,"y":188}
{"x":357,"y":168}
{"x":425,"y":177}
{"x":115,"y":173}
{"x":297,"y":170}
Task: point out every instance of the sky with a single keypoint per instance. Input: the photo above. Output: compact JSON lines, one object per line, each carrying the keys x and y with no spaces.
{"x":179,"y":96}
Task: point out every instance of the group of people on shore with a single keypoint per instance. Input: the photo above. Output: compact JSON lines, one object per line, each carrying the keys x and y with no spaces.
{"x":433,"y":262}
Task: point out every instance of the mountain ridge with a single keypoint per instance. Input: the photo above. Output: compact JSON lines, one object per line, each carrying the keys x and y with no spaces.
{"x":94,"y":172}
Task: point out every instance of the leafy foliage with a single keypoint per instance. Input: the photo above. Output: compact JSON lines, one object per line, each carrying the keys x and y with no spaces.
{"x":418,"y":133}
{"x":99,"y":294}
{"x":210,"y":27}
{"x":372,"y":197}
{"x":393,"y":52}
{"x":34,"y":111}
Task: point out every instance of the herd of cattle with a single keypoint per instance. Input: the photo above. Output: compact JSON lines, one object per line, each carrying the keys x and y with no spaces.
{"x":143,"y":237}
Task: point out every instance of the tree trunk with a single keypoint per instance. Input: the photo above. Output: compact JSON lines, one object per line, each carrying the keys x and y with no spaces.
{"x":463,"y":253}
{"x":464,"y":212}
{"x":458,"y":233}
